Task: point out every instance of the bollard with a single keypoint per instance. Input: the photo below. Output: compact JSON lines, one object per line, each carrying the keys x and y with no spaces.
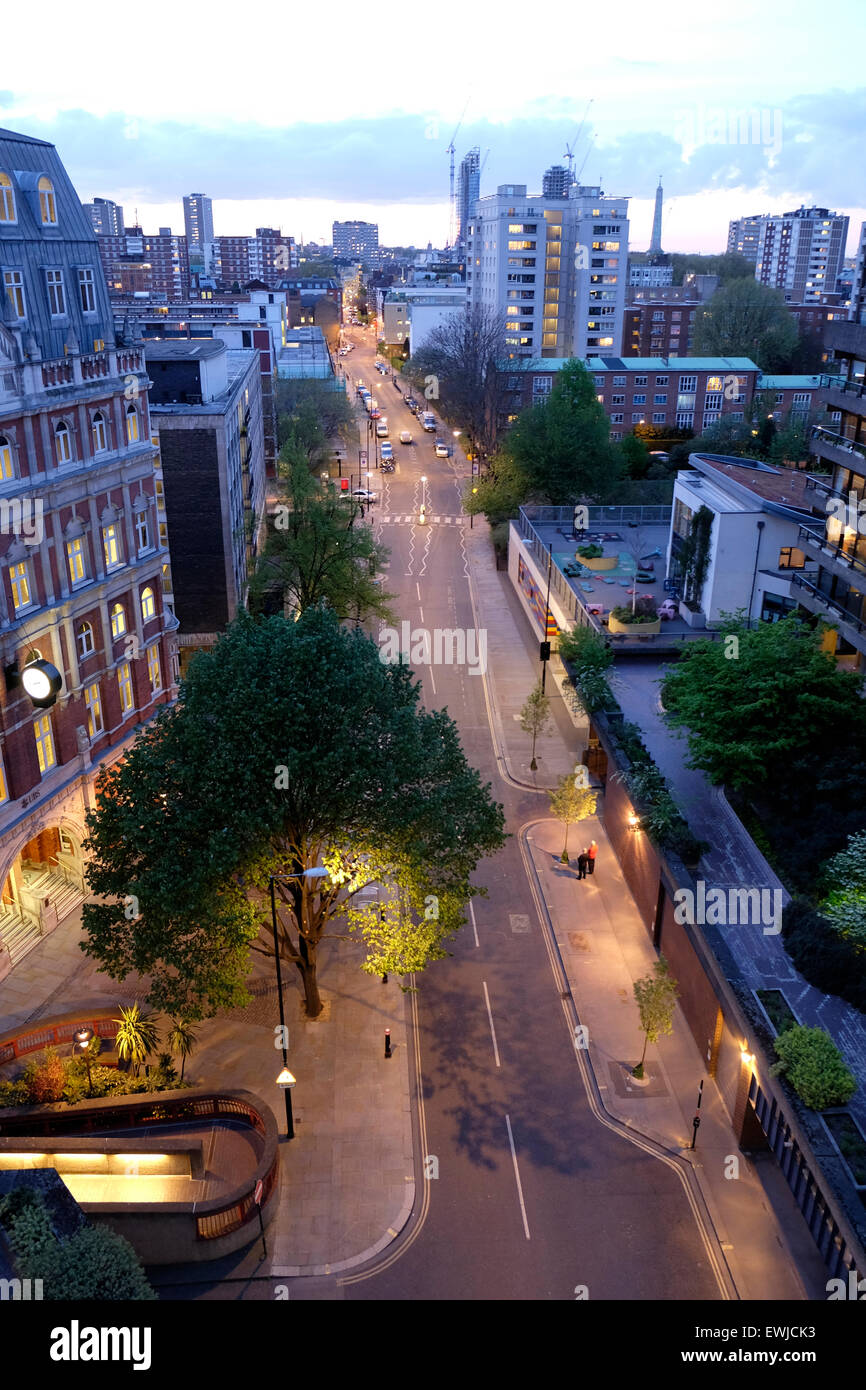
{"x":387,"y":1042}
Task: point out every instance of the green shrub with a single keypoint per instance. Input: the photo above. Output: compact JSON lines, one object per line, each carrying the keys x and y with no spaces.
{"x":814,"y":1066}
{"x":590,"y":552}
{"x":645,"y":611}
{"x":93,"y":1263}
{"x":831,"y":962}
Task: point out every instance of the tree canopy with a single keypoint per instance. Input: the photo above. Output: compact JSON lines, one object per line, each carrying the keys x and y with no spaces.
{"x":746,"y":319}
{"x":562,"y":445}
{"x":293,"y":746}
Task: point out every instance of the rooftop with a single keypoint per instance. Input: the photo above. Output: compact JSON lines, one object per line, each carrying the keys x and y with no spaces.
{"x":182,"y":349}
{"x":783,"y":486}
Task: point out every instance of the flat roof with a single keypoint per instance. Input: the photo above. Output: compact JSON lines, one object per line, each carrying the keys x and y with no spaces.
{"x":182,"y":349}
{"x":785,"y":486}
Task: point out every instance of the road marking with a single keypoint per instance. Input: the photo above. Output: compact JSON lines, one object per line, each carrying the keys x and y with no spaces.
{"x":418,"y":590}
{"x":517,"y":1177}
{"x":432,"y":681}
{"x":492,"y":1029}
{"x":474,"y":927}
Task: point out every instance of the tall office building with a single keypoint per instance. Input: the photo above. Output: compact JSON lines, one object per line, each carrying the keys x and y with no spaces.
{"x":557,"y":181}
{"x":107,"y":217}
{"x":655,"y":245}
{"x":357,"y":241}
{"x":468,"y":191}
{"x":198,"y":220}
{"x":556,"y":268}
{"x":799,"y":252}
{"x":85,"y":587}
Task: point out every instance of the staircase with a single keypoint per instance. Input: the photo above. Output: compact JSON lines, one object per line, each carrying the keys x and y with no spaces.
{"x":17,"y":935}
{"x":20,"y":934}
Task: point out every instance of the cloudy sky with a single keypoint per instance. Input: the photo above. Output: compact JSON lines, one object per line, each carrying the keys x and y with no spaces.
{"x":307,"y":113}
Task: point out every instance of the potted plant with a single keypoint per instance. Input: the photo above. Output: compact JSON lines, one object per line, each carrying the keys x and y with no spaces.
{"x":641,"y":620}
{"x":594,"y":558}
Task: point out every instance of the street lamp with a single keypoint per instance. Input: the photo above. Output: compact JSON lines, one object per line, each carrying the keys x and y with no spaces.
{"x":83,"y":1039}
{"x":285,"y":1080}
{"x":472,"y":514}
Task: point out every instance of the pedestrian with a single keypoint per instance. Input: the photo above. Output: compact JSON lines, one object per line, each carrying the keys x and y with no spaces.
{"x":591,"y":853}
{"x":582,"y":862}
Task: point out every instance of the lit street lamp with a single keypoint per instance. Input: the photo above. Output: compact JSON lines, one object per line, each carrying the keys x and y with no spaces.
{"x":286,"y":1081}
{"x":83,"y":1039}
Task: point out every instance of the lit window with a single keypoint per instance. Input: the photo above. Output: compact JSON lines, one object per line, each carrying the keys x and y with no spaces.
{"x":118,"y":621}
{"x":131,"y":424}
{"x":47,"y":203}
{"x":86,"y":645}
{"x":100,"y":443}
{"x":87,"y":291}
{"x":13,"y":282}
{"x":56,"y":298}
{"x":153,"y":670}
{"x":20,"y":585}
{"x":75,"y":560}
{"x":94,"y":709}
{"x":148,"y":604}
{"x":7,"y":469}
{"x":111,"y":547}
{"x":142,"y":531}
{"x":62,"y":443}
{"x":7,"y":200}
{"x":4,"y":786}
{"x":124,"y":686}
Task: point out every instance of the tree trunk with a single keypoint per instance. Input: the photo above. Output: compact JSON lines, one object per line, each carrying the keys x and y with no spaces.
{"x":307,"y":967}
{"x":643,"y":1054}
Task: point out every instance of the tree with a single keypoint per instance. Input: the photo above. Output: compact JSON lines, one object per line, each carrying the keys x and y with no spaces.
{"x":294,"y":746}
{"x":310,"y":415}
{"x":315,"y":553}
{"x":588,"y":657}
{"x":636,"y":456}
{"x":656,"y":998}
{"x":92,"y":1262}
{"x":728,"y":266}
{"x":746,"y":319}
{"x":459,"y":366}
{"x":182,"y":1039}
{"x":499,"y":493}
{"x":814,"y":1066}
{"x":562,"y":445}
{"x":570,"y":801}
{"x":137,"y":1036}
{"x":535,"y":717}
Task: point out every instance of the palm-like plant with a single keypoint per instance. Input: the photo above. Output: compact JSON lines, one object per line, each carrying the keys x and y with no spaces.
{"x":182,"y":1040}
{"x":137,"y":1035}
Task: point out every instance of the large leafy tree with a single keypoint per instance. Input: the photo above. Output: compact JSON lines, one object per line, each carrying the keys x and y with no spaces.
{"x":458,"y":369}
{"x":293,"y":746}
{"x":562,"y":445}
{"x":746,"y":319}
{"x":315,"y":552}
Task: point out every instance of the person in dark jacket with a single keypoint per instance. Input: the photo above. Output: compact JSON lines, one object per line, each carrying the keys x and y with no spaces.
{"x":582,"y":863}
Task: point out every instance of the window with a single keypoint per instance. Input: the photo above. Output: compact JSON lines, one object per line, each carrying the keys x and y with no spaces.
{"x":637,"y":417}
{"x":659,"y":417}
{"x":20,"y":580}
{"x":599,"y":380}
{"x":44,"y":743}
{"x":7,"y":467}
{"x":62,"y":443}
{"x":713,"y":400}
{"x":148,"y":605}
{"x":688,"y":383}
{"x":56,"y":299}
{"x":13,"y":282}
{"x":4,"y":786}
{"x":640,"y":381}
{"x":153,"y":671}
{"x":661,"y":381}
{"x":619,"y":381}
{"x":47,"y":203}
{"x":659,"y":316}
{"x":124,"y":686}
{"x":638,"y":398}
{"x":131,"y":425}
{"x":84,"y":638}
{"x":142,"y":532}
{"x":660,"y":398}
{"x":100,"y":441}
{"x":7,"y":200}
{"x":685,"y":419}
{"x":93,"y":704}
{"x":75,"y":559}
{"x":118,"y":621}
{"x":86,"y":290}
{"x":111,"y":547}
{"x":617,"y":419}
{"x":617,"y":400}
{"x":790,"y":558}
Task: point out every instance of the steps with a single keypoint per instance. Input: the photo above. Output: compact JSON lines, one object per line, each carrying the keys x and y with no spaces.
{"x":19,"y":935}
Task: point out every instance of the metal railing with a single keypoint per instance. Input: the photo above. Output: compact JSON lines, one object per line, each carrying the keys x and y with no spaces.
{"x":599,"y":516}
{"x":818,"y":541}
{"x":832,"y":604}
{"x":839,"y":383}
{"x":838,"y":441}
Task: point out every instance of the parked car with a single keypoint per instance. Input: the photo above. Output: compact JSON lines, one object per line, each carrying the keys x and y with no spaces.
{"x":374,"y":413}
{"x":382,"y":429}
{"x":386,"y":450}
{"x":428,"y":420}
{"x":440,"y":449}
{"x":359,"y":494}
{"x":405,"y":436}
{"x":412,"y":404}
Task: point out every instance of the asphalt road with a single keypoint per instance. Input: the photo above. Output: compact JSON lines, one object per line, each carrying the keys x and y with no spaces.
{"x":534,"y":1197}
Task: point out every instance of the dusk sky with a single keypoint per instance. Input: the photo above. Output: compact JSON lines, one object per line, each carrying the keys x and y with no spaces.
{"x":313,"y":113}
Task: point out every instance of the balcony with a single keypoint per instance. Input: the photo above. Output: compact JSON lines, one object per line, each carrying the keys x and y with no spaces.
{"x":841,"y":562}
{"x":837,"y":448}
{"x":817,"y":602}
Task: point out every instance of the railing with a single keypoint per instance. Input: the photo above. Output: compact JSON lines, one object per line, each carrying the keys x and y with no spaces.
{"x":599,"y":516}
{"x":54,"y":1035}
{"x":819,"y":541}
{"x":839,"y":383}
{"x":58,"y":373}
{"x":838,"y":441}
{"x":833,"y":604}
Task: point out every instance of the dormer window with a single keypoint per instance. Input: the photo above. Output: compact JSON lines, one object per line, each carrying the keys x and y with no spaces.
{"x":47,"y":203}
{"x":7,"y":199}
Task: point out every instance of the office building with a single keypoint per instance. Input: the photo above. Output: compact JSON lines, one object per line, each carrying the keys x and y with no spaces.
{"x":107,"y":217}
{"x":356,"y":241}
{"x":799,"y":252}
{"x":555,"y":269}
{"x":85,"y":584}
{"x":198,"y":220}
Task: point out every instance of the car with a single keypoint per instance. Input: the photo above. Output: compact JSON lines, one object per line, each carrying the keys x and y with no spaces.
{"x":387,"y":452}
{"x":382,"y":429}
{"x":362,"y":494}
{"x":440,"y":449}
{"x":428,"y":420}
{"x":412,"y":403}
{"x":374,"y":413}
{"x":405,"y":436}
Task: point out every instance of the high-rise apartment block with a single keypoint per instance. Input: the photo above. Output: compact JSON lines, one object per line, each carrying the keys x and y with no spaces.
{"x":557,"y":181}
{"x":468,"y":191}
{"x":85,"y":586}
{"x":267,"y":257}
{"x":106,"y":216}
{"x":356,"y":241}
{"x":799,"y":252}
{"x":198,"y":220}
{"x":557,"y":269}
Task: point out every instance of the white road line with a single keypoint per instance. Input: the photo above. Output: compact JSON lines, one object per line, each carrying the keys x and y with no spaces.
{"x":492,"y":1029}
{"x":432,"y":681}
{"x":474,"y":927}
{"x":420,"y":612}
{"x":517,"y":1177}
{"x":418,"y":590}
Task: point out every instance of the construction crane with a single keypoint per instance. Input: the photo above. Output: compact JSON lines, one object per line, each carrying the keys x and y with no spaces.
{"x":452,"y":208}
{"x":570,"y":149}
{"x":586,"y":157}
{"x":481,"y":170}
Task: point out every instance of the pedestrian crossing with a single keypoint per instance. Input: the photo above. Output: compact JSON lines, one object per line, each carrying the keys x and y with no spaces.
{"x":412,"y":519}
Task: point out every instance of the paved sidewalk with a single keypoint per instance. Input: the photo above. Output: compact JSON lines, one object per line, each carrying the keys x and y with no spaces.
{"x":604,"y":948}
{"x":348,"y":1182}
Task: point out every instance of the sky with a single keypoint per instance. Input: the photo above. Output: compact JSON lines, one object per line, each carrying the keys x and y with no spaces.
{"x":315,"y":113}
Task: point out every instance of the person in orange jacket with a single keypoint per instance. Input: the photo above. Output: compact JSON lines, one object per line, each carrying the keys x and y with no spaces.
{"x":590,"y":854}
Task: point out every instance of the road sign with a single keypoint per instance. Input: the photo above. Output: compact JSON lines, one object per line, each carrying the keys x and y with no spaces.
{"x":257,"y":1196}
{"x":363,"y":457}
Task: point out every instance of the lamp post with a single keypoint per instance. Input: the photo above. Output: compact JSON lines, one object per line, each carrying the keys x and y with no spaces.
{"x":545,"y":644}
{"x":83,"y":1039}
{"x":285,"y":1080}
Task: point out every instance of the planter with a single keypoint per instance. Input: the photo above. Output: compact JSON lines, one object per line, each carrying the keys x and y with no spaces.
{"x":603,"y":562}
{"x":850,"y":1141}
{"x":635,"y":629}
{"x":694,"y":617}
{"x":776,"y":1009}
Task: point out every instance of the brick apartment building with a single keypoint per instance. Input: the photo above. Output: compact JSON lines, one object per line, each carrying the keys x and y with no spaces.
{"x":137,"y":263}
{"x":666,"y":326}
{"x":83,"y":568}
